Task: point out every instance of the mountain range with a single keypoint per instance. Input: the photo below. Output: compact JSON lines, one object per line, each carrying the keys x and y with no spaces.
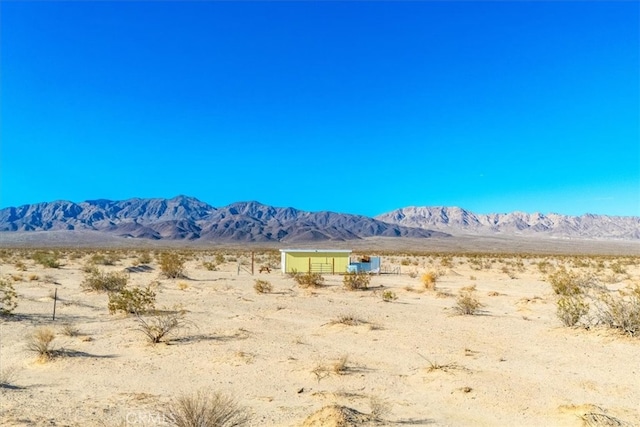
{"x":186,"y":218}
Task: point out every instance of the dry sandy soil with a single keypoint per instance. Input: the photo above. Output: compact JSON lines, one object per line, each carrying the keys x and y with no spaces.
{"x":412,"y":361}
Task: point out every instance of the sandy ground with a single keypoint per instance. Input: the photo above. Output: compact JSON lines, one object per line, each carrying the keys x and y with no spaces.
{"x":513,"y":364}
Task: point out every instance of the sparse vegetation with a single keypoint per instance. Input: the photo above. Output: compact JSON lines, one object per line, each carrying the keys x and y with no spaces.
{"x":46,"y":259}
{"x":160,"y":325}
{"x":204,"y":409}
{"x":262,"y":286}
{"x":571,"y":309}
{"x":622,"y":313}
{"x":40,"y":342}
{"x":7,"y":376}
{"x":132,"y":300}
{"x":354,"y":281}
{"x":467,"y":304}
{"x":389,"y":295}
{"x":8,"y":298}
{"x":308,"y":280}
{"x":171,"y":265}
{"x":428,"y":279}
{"x":100,"y":281}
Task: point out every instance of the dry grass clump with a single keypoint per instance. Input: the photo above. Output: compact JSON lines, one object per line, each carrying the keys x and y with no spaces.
{"x":308,"y":280}
{"x":565,"y":282}
{"x":262,"y":286}
{"x":40,"y":342}
{"x":354,"y":281}
{"x":69,"y":330}
{"x":467,"y":304}
{"x":339,"y":367}
{"x":100,"y":281}
{"x":7,"y":377}
{"x":348,"y":319}
{"x":429,"y":279}
{"x":206,"y":409}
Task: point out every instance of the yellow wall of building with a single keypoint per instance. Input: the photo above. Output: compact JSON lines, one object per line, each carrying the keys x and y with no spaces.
{"x":321,"y":262}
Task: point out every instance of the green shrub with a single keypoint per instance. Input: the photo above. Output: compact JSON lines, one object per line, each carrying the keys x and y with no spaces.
{"x":354,"y":281}
{"x":162,"y":324}
{"x":308,"y":280}
{"x":171,"y":265}
{"x":565,"y":283}
{"x":8,"y":298}
{"x":104,"y":282}
{"x":571,"y":309}
{"x":46,"y":259}
{"x":145,"y":258}
{"x":132,"y":301}
{"x":388,"y":296}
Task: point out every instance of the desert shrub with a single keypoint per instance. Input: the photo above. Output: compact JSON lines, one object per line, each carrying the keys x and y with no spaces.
{"x":467,"y":303}
{"x":171,"y":265}
{"x":571,"y":309}
{"x":159,"y":325}
{"x":388,"y":296}
{"x":211,"y":266}
{"x":21,"y":266}
{"x":308,"y":280}
{"x":412,"y":274}
{"x":219,"y":258}
{"x":262,"y":286}
{"x":145,"y":258}
{"x":203,"y":409}
{"x":429,"y":279}
{"x":109,"y":258}
{"x":621,"y":312}
{"x":46,"y":259}
{"x":40,"y":342}
{"x":446,"y":261}
{"x":70,"y":330}
{"x":8,"y":298}
{"x":618,"y":268}
{"x":564,"y":282}
{"x":100,"y":281}
{"x":132,"y":300}
{"x":33,"y":277}
{"x":354,"y":281}
{"x":348,"y":319}
{"x":7,"y":377}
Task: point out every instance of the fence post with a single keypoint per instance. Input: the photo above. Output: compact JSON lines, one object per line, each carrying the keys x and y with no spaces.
{"x":55,"y":300}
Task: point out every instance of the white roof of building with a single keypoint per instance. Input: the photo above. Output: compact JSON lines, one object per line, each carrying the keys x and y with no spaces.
{"x":317,"y":250}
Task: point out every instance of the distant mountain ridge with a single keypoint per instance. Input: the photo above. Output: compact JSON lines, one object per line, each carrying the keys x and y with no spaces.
{"x":188,"y":218}
{"x":458,"y":220}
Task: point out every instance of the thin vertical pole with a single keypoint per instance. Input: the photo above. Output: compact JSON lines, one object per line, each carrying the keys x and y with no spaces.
{"x":55,"y":300}
{"x":252,"y":261}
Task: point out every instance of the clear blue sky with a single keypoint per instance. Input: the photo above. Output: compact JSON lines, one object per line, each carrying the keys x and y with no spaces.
{"x":359,"y":107}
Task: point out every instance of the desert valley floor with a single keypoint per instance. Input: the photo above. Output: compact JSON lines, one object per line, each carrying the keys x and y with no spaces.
{"x":393,"y":354}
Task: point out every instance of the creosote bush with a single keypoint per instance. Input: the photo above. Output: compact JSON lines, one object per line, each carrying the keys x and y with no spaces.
{"x":132,"y":300}
{"x":571,"y":309}
{"x":307,"y":280}
{"x":46,"y":259}
{"x":8,"y":298}
{"x":100,"y":281}
{"x":262,"y":286}
{"x":171,"y":265}
{"x":388,"y":296}
{"x":565,"y":282}
{"x":354,"y":281}
{"x":204,"y":409}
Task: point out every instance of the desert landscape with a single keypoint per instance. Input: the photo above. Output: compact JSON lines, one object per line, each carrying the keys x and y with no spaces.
{"x":444,"y":338}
